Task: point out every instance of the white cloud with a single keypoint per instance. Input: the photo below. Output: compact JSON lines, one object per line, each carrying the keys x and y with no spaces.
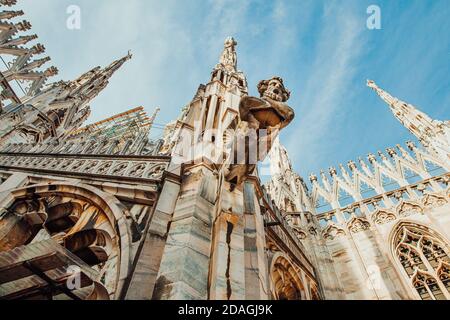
{"x":176,"y":43}
{"x":339,"y":46}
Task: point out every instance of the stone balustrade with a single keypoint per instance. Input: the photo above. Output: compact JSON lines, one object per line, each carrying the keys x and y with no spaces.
{"x":137,"y":167}
{"x":383,"y":208}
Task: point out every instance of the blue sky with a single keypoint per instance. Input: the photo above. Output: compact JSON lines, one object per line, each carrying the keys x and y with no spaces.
{"x":322,"y":49}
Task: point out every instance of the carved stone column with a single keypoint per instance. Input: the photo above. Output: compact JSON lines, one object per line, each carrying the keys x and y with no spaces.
{"x":183,"y":272}
{"x":227,"y":279}
{"x":143,"y":280}
{"x":256,"y":273}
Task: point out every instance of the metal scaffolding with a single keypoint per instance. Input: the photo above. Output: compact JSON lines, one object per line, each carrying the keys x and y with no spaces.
{"x":121,"y":127}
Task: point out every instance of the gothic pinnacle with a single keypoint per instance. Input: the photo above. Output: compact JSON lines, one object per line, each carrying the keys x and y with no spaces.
{"x":228,"y":57}
{"x":411,"y":145}
{"x":23,"y":25}
{"x":391,"y":152}
{"x":371,"y":158}
{"x":332,"y":171}
{"x":113,"y":67}
{"x":8,"y":3}
{"x":351,"y":165}
{"x":10,"y":14}
{"x":390,"y":100}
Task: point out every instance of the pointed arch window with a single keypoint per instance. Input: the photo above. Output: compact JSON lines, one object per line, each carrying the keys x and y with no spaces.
{"x":425,"y":259}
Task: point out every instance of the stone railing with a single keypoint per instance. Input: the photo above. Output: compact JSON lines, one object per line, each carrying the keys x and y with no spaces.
{"x":380,"y":175}
{"x":131,"y":167}
{"x":91,"y":146}
{"x":383,"y":208}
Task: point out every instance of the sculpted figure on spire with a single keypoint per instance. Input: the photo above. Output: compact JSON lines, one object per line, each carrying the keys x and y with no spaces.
{"x":229,"y":56}
{"x":270,"y":110}
{"x":265,"y":116}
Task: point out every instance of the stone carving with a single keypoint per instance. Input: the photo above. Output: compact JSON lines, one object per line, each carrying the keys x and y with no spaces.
{"x":90,"y":166}
{"x":383,"y":216}
{"x":356,"y":225}
{"x":270,"y":113}
{"x":229,"y":57}
{"x":274,"y":89}
{"x":413,"y":244}
{"x":119,"y":168}
{"x":77,"y":165}
{"x":433,"y":200}
{"x":312,"y":231}
{"x":137,"y":170}
{"x":156,"y":172}
{"x":407,"y":208}
{"x":300,"y":233}
{"x":54,"y":164}
{"x":286,"y":282}
{"x":103,"y":169}
{"x":127,"y":166}
{"x":422,"y":187}
{"x":430,"y":132}
{"x":72,"y":225}
{"x":67,"y":164}
{"x":332,"y":232}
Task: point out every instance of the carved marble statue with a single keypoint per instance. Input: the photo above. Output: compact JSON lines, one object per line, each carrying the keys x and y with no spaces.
{"x":270,"y":113}
{"x":229,"y":57}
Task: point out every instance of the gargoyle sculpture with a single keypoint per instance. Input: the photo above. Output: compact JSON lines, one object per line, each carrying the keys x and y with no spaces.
{"x":269,"y":113}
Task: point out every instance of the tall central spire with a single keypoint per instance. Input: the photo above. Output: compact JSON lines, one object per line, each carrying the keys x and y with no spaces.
{"x":229,"y":57}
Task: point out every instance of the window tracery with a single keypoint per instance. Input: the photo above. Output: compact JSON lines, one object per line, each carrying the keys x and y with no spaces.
{"x":425,"y":259}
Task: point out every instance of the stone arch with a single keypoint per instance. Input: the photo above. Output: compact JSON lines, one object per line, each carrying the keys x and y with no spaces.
{"x":382,"y":216}
{"x":406,"y":208}
{"x":333,"y":231}
{"x":90,"y":224}
{"x":358,"y":224}
{"x":433,"y":200}
{"x":285,"y":279}
{"x":422,"y":255}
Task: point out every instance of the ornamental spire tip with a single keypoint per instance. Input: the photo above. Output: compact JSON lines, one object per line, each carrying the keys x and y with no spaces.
{"x":229,"y":57}
{"x":371,"y":84}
